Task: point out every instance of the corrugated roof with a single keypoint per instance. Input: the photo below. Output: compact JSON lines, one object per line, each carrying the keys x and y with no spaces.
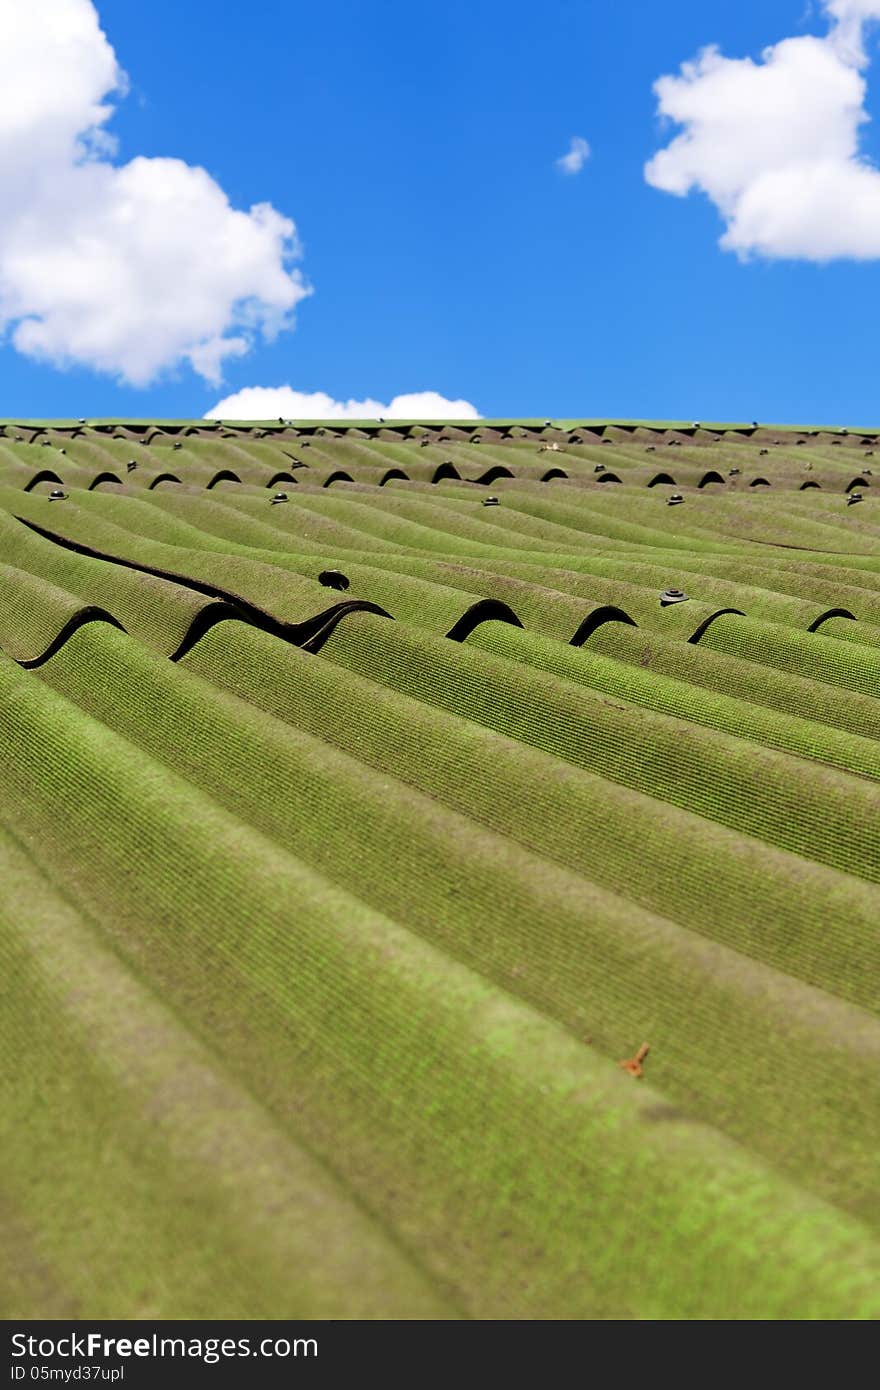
{"x":354,"y":831}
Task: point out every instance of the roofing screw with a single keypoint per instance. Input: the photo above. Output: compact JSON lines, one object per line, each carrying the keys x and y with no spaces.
{"x":82,"y":422}
{"x":674,"y":500}
{"x":56,"y":495}
{"x":697,"y":425}
{"x":869,"y":453}
{"x":423,"y":441}
{"x":490,"y":501}
{"x":732,"y":472}
{"x":634,"y":1064}
{"x":600,"y":468}
{"x":844,"y":431}
{"x":333,"y":579}
{"x":868,"y":472}
{"x":763,"y":451}
{"x":62,"y":451}
{"x":177,"y":444}
{"x":131,"y":465}
{"x":672,"y":596}
{"x":279,"y":497}
{"x":650,"y":448}
{"x":853,"y":497}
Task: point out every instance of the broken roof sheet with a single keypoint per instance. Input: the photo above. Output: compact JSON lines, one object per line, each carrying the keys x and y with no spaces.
{"x":353,"y":832}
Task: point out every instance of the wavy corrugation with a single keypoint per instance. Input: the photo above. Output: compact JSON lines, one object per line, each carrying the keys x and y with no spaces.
{"x":368,"y":794}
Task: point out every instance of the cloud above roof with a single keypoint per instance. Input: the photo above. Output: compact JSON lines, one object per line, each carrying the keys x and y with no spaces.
{"x":775,"y":143}
{"x":270,"y":402}
{"x":130,"y":269}
{"x":578,"y":154}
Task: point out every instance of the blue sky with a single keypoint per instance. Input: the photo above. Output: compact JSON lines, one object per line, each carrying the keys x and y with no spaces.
{"x":414,"y":147}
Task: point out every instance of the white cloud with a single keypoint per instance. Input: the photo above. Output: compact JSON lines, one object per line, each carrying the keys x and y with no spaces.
{"x":775,"y":143}
{"x":129,"y":269}
{"x":578,"y":154}
{"x":270,"y":402}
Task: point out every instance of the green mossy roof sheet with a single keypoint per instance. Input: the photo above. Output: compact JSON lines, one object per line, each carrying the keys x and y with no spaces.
{"x":351,"y":839}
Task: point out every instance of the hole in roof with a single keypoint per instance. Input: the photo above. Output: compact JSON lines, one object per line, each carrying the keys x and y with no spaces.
{"x":334,"y":579}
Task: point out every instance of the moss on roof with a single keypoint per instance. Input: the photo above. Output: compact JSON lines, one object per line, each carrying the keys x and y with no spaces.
{"x":352,"y":834}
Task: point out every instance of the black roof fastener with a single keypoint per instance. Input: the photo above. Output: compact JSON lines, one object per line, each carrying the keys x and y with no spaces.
{"x":868,"y":472}
{"x":763,"y":451}
{"x":279,"y":497}
{"x":62,"y":451}
{"x":334,"y":579}
{"x":599,"y":468}
{"x":177,"y":444}
{"x":674,"y":500}
{"x":869,"y":453}
{"x":490,"y":501}
{"x":56,"y":495}
{"x":672,"y":596}
{"x":131,"y":465}
{"x":854,"y":497}
{"x":650,"y":448}
{"x":732,"y":472}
